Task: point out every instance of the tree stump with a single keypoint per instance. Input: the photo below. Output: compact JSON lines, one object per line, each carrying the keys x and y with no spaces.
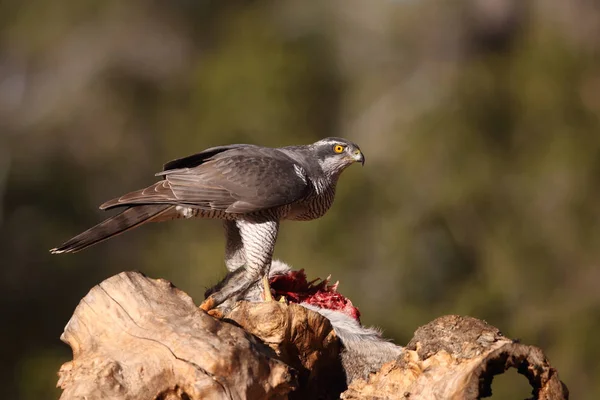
{"x":138,"y":338}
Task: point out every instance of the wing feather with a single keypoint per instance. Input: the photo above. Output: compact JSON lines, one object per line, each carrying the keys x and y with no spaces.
{"x":239,"y":180}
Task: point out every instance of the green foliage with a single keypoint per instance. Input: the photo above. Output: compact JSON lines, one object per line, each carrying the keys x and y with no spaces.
{"x":479,"y":195}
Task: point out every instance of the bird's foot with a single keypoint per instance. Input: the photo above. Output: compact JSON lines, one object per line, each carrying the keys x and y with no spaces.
{"x":208,"y":304}
{"x":266,"y":288}
{"x":216,"y":313}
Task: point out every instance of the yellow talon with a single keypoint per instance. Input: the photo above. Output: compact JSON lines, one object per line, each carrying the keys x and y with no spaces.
{"x":208,"y":304}
{"x":216,"y":313}
{"x":267,"y":288}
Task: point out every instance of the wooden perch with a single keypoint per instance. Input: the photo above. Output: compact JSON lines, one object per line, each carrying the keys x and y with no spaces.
{"x":138,"y":338}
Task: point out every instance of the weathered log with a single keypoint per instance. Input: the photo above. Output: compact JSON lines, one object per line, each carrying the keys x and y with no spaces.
{"x":138,"y":338}
{"x":457,"y":357}
{"x":303,"y":339}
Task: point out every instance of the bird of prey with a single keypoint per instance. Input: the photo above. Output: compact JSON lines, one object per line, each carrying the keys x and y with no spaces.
{"x":251,"y":188}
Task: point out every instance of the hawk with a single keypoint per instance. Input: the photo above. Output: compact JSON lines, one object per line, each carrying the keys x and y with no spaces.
{"x":251,"y":188}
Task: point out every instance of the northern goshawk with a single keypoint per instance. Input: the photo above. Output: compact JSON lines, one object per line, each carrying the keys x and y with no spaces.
{"x":251,"y":188}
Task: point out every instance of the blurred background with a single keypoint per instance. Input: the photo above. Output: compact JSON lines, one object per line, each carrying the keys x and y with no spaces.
{"x":479,"y":120}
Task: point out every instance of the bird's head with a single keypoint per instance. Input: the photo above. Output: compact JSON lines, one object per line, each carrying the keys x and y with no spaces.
{"x":336,"y":154}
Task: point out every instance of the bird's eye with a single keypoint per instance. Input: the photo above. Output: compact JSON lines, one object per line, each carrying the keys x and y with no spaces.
{"x":338,"y":148}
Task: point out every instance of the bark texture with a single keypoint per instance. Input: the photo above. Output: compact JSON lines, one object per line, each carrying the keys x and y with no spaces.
{"x":456,"y":357}
{"x":138,"y":338}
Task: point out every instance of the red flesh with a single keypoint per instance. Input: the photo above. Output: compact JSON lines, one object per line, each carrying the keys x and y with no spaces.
{"x":296,"y":289}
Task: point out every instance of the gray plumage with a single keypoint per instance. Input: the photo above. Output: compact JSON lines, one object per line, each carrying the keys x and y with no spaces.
{"x":365,"y":350}
{"x":251,"y":187}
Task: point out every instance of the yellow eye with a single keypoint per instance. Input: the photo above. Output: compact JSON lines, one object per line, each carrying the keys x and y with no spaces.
{"x":338,"y":148}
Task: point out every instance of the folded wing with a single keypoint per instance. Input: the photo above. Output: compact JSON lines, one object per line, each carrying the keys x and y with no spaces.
{"x":238,"y":180}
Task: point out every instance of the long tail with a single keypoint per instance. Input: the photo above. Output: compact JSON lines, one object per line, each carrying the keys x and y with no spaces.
{"x":130,"y":218}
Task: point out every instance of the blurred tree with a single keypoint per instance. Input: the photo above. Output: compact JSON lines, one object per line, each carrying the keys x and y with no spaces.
{"x":479,"y":121}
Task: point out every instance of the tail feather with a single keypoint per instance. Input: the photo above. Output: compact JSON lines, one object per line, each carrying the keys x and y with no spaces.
{"x":130,"y":218}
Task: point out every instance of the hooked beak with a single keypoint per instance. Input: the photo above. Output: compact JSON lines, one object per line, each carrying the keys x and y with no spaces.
{"x":359,"y":157}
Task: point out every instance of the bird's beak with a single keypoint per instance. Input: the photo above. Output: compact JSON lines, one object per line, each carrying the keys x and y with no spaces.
{"x":359,"y":157}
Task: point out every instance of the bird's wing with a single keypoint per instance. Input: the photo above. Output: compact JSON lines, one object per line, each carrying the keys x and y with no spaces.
{"x":240,"y":180}
{"x":197,"y":159}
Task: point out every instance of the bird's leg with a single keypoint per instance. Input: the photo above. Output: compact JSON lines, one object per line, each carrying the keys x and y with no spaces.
{"x":258,"y":239}
{"x":233,"y":287}
{"x":259,"y":243}
{"x":235,"y":256}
